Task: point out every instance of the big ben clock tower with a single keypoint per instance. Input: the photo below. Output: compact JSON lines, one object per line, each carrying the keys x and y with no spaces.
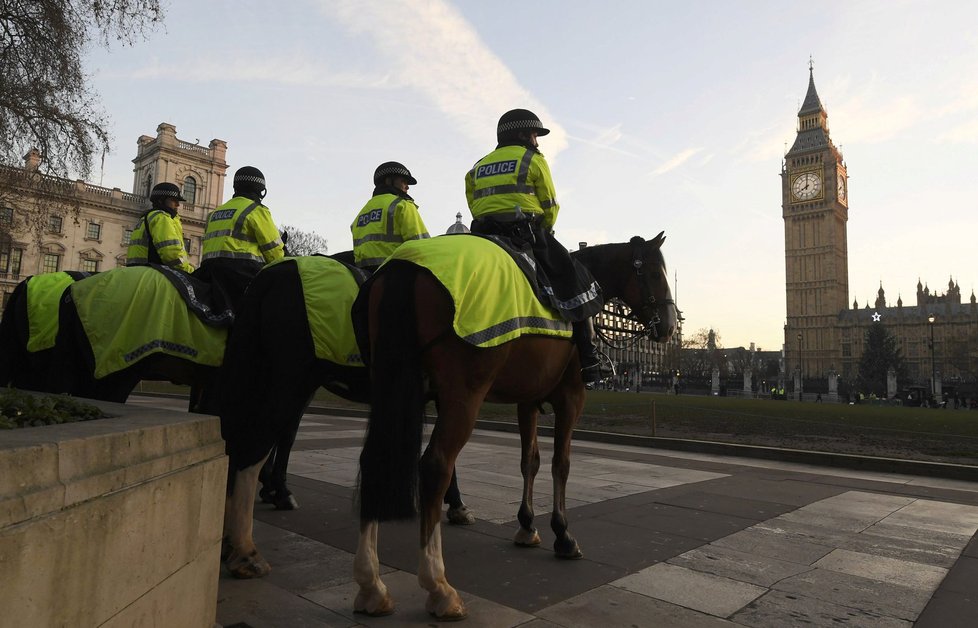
{"x":815,"y":207}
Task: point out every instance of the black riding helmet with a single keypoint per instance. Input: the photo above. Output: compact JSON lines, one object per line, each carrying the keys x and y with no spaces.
{"x":392,"y":169}
{"x":163,"y":191}
{"x":249,"y":179}
{"x":515,"y":121}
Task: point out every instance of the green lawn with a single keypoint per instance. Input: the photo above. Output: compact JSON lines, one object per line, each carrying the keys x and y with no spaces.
{"x":919,"y":433}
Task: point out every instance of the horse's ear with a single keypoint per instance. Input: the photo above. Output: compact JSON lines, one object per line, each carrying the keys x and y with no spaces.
{"x":658,"y":240}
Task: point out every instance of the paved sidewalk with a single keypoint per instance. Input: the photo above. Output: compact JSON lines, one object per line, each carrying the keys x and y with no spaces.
{"x":669,"y":539}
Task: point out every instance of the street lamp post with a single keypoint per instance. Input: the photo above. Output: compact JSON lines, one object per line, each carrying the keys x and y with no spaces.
{"x":800,"y":375}
{"x":933,"y":369}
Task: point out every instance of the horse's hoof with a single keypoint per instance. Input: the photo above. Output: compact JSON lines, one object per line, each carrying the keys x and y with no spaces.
{"x":364,"y":604}
{"x":446,"y":608}
{"x":460,"y":516}
{"x":568,"y":550}
{"x":266,"y":495}
{"x":247,"y":567}
{"x":527,"y":538}
{"x":286,"y":502}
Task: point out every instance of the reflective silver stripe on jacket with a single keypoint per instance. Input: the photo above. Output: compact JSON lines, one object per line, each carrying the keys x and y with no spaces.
{"x":389,"y":236}
{"x":520,"y":187}
{"x":371,"y":261}
{"x":160,"y":245}
{"x":232,"y":255}
{"x":514,"y":324}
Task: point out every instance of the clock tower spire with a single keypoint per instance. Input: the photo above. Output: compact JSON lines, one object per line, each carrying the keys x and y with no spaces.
{"x":814,"y":205}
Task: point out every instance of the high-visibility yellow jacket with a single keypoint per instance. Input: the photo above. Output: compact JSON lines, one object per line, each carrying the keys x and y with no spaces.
{"x":511,"y":177}
{"x":164,"y":233}
{"x":382,"y":225}
{"x":241,"y":229}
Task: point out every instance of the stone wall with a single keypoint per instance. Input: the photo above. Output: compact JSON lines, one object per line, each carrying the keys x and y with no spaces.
{"x":115,"y":522}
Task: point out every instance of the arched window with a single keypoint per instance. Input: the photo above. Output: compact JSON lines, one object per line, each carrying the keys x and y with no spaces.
{"x":190,"y":190}
{"x":149,"y":184}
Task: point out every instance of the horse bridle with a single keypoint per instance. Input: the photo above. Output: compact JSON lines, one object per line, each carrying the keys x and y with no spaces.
{"x":648,"y":300}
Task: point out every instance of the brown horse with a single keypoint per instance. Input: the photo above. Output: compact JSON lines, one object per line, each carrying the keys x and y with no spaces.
{"x":409,"y":317}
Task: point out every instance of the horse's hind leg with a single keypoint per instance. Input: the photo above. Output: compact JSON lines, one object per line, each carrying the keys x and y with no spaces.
{"x":239,"y":553}
{"x":451,"y":432}
{"x":567,"y":408}
{"x":527,"y":535}
{"x":372,"y":598}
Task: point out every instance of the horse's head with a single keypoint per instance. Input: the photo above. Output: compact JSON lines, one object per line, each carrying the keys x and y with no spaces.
{"x":647,"y":291}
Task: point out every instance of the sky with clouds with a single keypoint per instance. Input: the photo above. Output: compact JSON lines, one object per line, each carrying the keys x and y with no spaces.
{"x":666,"y":116}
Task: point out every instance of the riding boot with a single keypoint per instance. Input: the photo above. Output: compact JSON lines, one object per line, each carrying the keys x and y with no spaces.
{"x":587,"y":351}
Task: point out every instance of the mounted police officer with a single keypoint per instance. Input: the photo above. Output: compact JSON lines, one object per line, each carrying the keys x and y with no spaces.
{"x":158,"y":236}
{"x":240,"y":238}
{"x":511,"y":194}
{"x":388,"y":219}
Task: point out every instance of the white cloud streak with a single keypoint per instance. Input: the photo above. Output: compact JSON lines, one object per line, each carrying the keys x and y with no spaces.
{"x":439,"y":53}
{"x":676,"y":160}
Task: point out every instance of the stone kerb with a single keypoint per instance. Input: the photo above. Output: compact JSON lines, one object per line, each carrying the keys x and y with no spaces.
{"x":115,"y":522}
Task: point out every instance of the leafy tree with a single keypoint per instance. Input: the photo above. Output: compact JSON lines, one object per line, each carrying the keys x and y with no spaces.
{"x":304,"y":242}
{"x":48,"y":110}
{"x":46,"y":102}
{"x":880,"y":354}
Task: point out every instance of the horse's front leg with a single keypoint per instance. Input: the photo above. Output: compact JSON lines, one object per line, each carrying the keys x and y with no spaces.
{"x":443,"y":600}
{"x":566,"y":412}
{"x":527,"y":535}
{"x":372,"y":598}
{"x":238,"y":551}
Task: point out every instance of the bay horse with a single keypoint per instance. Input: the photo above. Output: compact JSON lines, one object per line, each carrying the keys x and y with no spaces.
{"x":408,"y":316}
{"x":272,"y":368}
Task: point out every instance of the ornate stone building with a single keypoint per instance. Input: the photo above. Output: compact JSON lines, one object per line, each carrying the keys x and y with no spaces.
{"x":823,"y":337}
{"x":80,"y":226}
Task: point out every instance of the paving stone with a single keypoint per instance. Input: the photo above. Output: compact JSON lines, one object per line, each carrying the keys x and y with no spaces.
{"x":937,"y":516}
{"x":789,"y":492}
{"x":627,"y":547}
{"x":611,"y":606}
{"x":686,"y":522}
{"x":764,"y":542}
{"x":887,"y":529}
{"x":261,"y":604}
{"x":779,"y":608}
{"x":698,"y":591}
{"x":918,"y":551}
{"x":948,"y":609}
{"x":892,"y":570}
{"x":962,"y":577}
{"x":737,"y":565}
{"x":409,"y":599}
{"x":727,"y":505}
{"x":793,"y":531}
{"x":870,"y":595}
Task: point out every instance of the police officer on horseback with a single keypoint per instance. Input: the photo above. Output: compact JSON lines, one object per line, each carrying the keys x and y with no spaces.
{"x":388,"y":219}
{"x":510,"y":193}
{"x":158,"y":236}
{"x":240,"y":238}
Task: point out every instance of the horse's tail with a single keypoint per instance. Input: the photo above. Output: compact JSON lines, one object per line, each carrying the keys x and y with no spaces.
{"x":388,"y":482}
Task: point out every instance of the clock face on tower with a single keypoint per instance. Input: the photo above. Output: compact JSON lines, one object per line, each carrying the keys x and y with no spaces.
{"x":806,"y":186}
{"x":841,"y":189}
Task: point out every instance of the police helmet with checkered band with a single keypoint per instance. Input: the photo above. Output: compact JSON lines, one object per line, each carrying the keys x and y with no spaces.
{"x":393,"y":169}
{"x":516,"y":121}
{"x":249,"y":179}
{"x":163,"y":191}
